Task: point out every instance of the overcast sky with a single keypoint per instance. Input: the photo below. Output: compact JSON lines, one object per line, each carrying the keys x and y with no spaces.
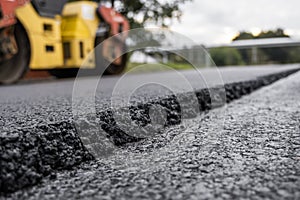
{"x":218,"y":21}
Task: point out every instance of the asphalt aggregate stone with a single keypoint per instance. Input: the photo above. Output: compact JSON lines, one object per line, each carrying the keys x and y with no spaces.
{"x":30,"y":154}
{"x":248,"y":149}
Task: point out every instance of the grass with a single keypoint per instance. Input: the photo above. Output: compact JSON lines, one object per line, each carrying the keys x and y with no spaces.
{"x":144,"y":68}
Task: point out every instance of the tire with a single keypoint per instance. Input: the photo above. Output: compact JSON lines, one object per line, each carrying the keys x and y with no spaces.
{"x":64,"y":73}
{"x":16,"y":67}
{"x":112,"y":69}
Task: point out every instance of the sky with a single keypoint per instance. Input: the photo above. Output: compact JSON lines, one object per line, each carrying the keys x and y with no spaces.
{"x":212,"y":22}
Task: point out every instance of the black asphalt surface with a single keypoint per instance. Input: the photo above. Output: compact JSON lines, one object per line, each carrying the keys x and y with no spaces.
{"x":47,"y":102}
{"x":249,"y":149}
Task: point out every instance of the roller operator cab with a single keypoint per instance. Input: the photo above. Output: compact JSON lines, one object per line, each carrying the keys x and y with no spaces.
{"x":58,"y":36}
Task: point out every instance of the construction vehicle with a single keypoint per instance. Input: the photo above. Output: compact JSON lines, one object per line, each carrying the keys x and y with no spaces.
{"x":57,"y":35}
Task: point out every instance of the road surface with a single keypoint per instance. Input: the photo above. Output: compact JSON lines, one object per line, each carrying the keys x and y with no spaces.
{"x":249,"y":148}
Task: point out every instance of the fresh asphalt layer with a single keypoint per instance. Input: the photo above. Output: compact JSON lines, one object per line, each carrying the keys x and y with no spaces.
{"x":199,"y":157}
{"x":26,"y":105}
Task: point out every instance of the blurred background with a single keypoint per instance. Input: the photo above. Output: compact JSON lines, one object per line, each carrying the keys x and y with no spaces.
{"x":234,"y":33}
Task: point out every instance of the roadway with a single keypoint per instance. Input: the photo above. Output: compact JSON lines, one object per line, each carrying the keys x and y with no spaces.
{"x":248,"y":148}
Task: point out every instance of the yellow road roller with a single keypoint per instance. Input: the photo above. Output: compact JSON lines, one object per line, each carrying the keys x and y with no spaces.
{"x":58,"y":36}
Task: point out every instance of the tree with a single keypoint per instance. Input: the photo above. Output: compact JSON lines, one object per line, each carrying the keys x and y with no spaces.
{"x":224,"y":56}
{"x":156,"y":11}
{"x":278,"y":55}
{"x":245,"y":53}
{"x":243,"y":35}
{"x":139,"y":12}
{"x":272,"y":34}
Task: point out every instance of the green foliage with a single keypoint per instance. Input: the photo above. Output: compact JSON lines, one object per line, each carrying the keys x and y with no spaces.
{"x":159,"y":12}
{"x":224,"y":56}
{"x":269,"y":55}
{"x":272,"y":34}
{"x":157,"y":67}
{"x":294,"y":55}
{"x":154,"y":11}
{"x":243,"y":35}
